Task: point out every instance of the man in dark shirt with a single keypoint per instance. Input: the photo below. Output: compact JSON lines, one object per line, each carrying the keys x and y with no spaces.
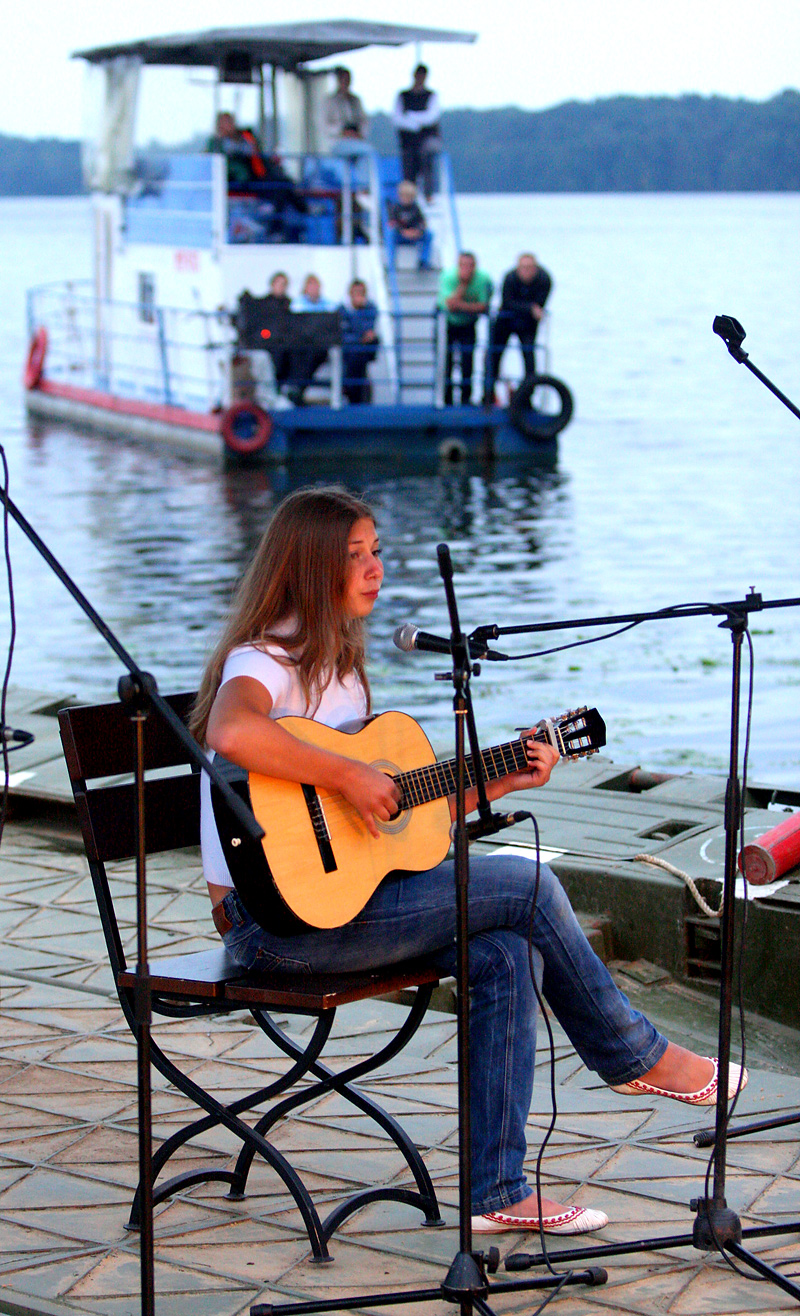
{"x":525,"y":291}
{"x":416,"y":117}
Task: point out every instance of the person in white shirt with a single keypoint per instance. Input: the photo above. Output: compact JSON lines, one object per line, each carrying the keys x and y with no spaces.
{"x":345,"y":117}
{"x":294,"y":644}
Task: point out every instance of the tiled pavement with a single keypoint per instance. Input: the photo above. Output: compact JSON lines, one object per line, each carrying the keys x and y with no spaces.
{"x":68,"y":1140}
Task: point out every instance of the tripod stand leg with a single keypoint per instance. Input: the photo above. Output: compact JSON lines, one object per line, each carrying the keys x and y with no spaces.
{"x":765,"y":1270}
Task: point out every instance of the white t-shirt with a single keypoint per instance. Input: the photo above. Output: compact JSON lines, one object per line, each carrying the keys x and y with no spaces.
{"x":342,"y":702}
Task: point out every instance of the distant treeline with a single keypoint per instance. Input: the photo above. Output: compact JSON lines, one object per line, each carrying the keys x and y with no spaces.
{"x":624,"y":144}
{"x":44,"y":166}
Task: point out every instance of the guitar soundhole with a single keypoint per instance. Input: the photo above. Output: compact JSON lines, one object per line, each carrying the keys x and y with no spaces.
{"x":399,"y":820}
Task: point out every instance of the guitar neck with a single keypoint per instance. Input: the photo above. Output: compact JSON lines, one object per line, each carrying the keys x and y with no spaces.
{"x":439,"y":779}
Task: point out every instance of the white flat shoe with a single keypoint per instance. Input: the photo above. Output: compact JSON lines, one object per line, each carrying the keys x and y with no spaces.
{"x":575,"y":1220}
{"x":707,"y":1096}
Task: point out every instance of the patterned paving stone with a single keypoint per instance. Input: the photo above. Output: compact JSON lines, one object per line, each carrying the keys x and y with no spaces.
{"x":68,"y":1140}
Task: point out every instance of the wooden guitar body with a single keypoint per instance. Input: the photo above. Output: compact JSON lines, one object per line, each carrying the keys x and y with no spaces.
{"x":317,"y":864}
{"x":299,"y":854}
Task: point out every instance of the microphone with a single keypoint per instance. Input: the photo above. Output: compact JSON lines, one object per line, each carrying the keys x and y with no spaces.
{"x":409,"y":637}
{"x":732,"y":335}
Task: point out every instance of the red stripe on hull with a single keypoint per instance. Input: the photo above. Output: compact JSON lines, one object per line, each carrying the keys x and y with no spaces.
{"x":92,"y":397}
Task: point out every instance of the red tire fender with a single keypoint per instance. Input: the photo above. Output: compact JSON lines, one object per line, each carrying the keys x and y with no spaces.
{"x":34,"y":365}
{"x":246,"y":428}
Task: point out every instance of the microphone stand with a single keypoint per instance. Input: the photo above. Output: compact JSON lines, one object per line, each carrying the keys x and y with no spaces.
{"x":716,"y":1227}
{"x":732,"y":334}
{"x":139,"y":693}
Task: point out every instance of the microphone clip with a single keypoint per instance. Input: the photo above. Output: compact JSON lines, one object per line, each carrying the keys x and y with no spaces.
{"x":732,"y":334}
{"x":492,"y":824}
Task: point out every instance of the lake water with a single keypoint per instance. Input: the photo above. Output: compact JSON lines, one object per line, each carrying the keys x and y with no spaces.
{"x":676,"y":482}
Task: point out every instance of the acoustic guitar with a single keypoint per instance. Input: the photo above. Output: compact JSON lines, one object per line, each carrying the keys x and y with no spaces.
{"x":316,"y":853}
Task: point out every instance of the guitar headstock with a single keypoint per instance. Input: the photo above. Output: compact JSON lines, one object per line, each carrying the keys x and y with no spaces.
{"x":575,"y":734}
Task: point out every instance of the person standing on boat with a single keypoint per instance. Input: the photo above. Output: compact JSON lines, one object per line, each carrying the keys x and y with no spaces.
{"x":359,"y":343}
{"x":416,"y":117}
{"x":525,"y":291}
{"x":464,"y":295}
{"x":345,"y":117}
{"x":294,"y":644}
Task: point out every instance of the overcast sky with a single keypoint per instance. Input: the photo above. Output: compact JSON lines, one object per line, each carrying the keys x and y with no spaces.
{"x":532,"y":53}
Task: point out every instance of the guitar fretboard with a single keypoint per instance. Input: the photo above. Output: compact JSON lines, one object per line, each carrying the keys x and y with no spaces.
{"x":439,"y":779}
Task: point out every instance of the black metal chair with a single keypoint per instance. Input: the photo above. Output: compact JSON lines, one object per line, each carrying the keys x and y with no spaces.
{"x":99,"y":745}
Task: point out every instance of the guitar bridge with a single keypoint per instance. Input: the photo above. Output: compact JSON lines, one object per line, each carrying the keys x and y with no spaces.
{"x":319,"y":823}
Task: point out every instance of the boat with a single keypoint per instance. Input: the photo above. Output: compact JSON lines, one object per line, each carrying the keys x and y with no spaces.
{"x":168,"y":340}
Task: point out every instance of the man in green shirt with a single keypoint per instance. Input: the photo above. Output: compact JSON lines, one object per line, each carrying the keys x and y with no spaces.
{"x":464,"y":294}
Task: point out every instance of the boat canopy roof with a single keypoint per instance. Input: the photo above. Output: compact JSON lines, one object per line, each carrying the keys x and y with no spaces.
{"x":282,"y":45}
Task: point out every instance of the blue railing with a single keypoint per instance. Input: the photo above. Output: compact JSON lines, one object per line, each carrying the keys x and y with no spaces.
{"x":172,"y":202}
{"x":172,"y":356}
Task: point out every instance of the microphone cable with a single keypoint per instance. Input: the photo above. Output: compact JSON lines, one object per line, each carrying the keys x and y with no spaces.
{"x":673,"y":610}
{"x":552,"y":1048}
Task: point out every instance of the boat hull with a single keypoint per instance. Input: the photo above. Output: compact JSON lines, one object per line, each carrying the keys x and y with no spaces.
{"x":309,"y":432}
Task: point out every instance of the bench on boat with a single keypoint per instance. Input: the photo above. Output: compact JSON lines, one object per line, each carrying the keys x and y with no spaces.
{"x":99,"y":747}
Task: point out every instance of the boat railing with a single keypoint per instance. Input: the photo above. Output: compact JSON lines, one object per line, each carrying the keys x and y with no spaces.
{"x":183,"y":200}
{"x":186,"y":200}
{"x":450,"y":237}
{"x":139,"y":350}
{"x":186,"y":358}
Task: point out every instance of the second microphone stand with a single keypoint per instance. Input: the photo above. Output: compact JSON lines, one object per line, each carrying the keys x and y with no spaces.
{"x":716,"y":1226}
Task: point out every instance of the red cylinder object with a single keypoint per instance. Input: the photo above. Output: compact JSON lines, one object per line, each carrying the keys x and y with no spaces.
{"x":773,"y":854}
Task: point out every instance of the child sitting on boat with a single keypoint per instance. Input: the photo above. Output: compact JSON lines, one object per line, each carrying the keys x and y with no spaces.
{"x":407,"y":225}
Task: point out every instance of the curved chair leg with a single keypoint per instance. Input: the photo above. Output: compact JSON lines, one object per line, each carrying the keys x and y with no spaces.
{"x":184,"y":1135}
{"x":254,"y":1140}
{"x":337,"y":1217}
{"x":425,"y":1199}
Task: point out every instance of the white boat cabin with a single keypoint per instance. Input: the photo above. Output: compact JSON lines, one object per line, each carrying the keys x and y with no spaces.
{"x":177,"y":239}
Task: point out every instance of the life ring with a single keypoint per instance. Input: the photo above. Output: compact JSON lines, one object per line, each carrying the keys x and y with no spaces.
{"x":34,"y":366}
{"x":246,"y":428}
{"x":538,"y":424}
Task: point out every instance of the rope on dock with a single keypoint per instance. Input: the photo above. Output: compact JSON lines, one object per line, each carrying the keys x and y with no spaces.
{"x":690,"y":882}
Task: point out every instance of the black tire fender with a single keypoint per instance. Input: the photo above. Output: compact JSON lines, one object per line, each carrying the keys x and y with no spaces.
{"x":535,"y":424}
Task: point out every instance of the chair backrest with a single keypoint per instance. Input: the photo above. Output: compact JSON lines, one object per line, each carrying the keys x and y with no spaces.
{"x":99,"y":744}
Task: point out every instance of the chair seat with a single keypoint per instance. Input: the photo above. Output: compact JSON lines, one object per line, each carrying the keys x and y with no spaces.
{"x":203,"y":974}
{"x":326,"y":991}
{"x":214,"y":975}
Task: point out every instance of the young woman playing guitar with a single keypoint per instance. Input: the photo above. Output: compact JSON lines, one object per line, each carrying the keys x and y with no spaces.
{"x":294,"y":646}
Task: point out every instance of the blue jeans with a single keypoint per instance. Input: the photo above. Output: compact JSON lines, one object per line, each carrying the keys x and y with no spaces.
{"x":395,"y":239}
{"x":413,"y":914}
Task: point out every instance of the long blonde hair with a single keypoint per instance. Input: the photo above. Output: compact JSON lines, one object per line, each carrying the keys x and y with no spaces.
{"x":299,"y":575}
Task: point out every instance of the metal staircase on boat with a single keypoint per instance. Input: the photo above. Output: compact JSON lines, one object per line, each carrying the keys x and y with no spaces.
{"x":415,"y":330}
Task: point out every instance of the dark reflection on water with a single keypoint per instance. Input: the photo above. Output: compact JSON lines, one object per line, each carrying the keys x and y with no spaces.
{"x":157,"y":542}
